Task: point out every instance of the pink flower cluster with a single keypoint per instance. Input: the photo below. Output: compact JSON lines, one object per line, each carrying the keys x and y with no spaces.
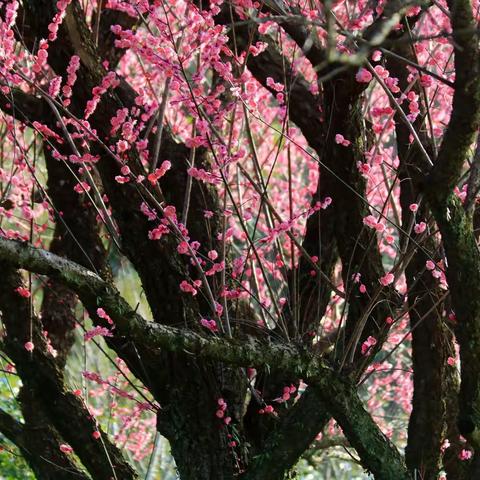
{"x":158,"y":232}
{"x":387,"y":279}
{"x":268,"y":409}
{"x":190,"y":287}
{"x":57,"y":19}
{"x":341,"y":140}
{"x":287,"y":393}
{"x":204,"y":176}
{"x":371,"y":221}
{"x":159,"y":172}
{"x":367,"y":345}
{"x":42,"y":57}
{"x":363,"y":76}
{"x":104,"y":315}
{"x":109,"y":81}
{"x":209,"y":324}
{"x":85,"y":158}
{"x":97,"y":331}
{"x":220,"y":413}
{"x":72,"y":68}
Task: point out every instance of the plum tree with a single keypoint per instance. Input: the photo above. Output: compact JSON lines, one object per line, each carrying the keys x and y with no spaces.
{"x":295,"y":186}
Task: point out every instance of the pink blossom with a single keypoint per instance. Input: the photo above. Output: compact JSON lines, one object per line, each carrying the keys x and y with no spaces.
{"x":420,"y":227}
{"x":97,"y":331}
{"x":103,"y":314}
{"x":170,"y":212}
{"x":426,"y":81}
{"x":203,"y":175}
{"x":29,"y":346}
{"x":212,"y":255}
{"x":370,"y":221}
{"x":430,"y":265}
{"x":54,"y":87}
{"x":275,"y":86}
{"x":122,"y":146}
{"x":387,"y":279}
{"x":82,"y":187}
{"x":209,"y":324}
{"x":66,"y":448}
{"x":465,"y":454}
{"x":269,"y":409}
{"x":121,"y":179}
{"x":159,"y":172}
{"x":216,"y":268}
{"x":182,"y":248}
{"x":157,"y":233}
{"x":147,"y":211}
{"x":363,"y":76}
{"x":364,"y":168}
{"x":85,"y":158}
{"x":327,"y":201}
{"x":368,"y":344}
{"x":446,"y":444}
{"x":392,"y":84}
{"x":340,"y":139}
{"x":187,"y":288}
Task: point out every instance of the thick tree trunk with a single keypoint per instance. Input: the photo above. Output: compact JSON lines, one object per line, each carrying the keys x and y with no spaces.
{"x":200,"y":441}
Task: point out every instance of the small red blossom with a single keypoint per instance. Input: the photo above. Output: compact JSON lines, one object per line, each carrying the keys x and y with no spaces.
{"x":23,"y":292}
{"x":387,"y":279}
{"x":66,"y":448}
